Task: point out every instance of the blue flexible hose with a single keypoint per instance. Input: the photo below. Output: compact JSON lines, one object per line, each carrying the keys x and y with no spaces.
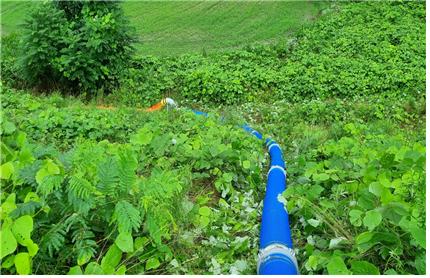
{"x":276,"y":255}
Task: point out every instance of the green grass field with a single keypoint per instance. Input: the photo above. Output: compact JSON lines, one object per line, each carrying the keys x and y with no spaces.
{"x":171,"y":28}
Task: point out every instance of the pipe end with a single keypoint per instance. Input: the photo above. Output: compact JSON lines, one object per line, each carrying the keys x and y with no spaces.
{"x":277,"y":259}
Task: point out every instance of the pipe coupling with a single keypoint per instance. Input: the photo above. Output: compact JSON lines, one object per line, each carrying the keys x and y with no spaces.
{"x":275,"y":250}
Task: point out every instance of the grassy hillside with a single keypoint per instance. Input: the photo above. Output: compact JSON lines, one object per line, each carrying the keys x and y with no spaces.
{"x":166,"y":28}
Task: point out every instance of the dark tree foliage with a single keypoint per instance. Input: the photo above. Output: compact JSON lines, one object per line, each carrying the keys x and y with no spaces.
{"x":80,"y":45}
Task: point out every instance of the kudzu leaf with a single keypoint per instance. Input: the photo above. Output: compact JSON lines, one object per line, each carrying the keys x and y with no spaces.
{"x":84,"y":257}
{"x":23,"y":263}
{"x":372,"y":219}
{"x":93,"y":268}
{"x":32,"y":247}
{"x":6,"y":170}
{"x":121,"y":270}
{"x":8,"y":262}
{"x":205,"y":211}
{"x":8,"y":206}
{"x":314,"y":222}
{"x":364,"y":268}
{"x":355,"y":217}
{"x":76,"y":270}
{"x":336,"y":266}
{"x":204,"y":221}
{"x":365,"y":241}
{"x":140,"y":242}
{"x":152,"y":263}
{"x":8,"y":243}
{"x":142,"y":137}
{"x":321,"y":177}
{"x":22,"y":228}
{"x":49,"y":168}
{"x":112,"y":257}
{"x":124,"y":241}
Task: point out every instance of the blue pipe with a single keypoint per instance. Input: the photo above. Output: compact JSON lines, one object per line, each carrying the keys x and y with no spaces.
{"x":276,"y":255}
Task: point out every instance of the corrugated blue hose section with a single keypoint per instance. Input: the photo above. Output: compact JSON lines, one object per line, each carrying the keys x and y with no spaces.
{"x":276,"y":255}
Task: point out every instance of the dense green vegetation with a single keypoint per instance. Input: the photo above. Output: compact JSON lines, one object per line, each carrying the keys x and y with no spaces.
{"x":96,"y":191}
{"x":179,"y":27}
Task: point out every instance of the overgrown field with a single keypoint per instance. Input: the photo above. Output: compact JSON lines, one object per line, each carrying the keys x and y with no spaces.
{"x":114,"y":191}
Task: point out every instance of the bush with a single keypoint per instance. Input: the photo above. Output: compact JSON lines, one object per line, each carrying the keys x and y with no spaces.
{"x":81,"y":46}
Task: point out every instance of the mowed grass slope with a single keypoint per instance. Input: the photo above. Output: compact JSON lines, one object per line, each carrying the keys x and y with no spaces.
{"x":172,"y":28}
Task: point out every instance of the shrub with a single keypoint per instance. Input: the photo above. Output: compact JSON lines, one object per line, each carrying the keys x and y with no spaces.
{"x":82,"y":46}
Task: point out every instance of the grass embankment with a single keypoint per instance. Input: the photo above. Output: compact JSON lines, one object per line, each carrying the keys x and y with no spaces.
{"x":172,"y":28}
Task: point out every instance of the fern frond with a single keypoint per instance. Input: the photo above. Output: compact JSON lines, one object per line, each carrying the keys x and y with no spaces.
{"x":80,"y":187}
{"x":127,"y":165}
{"x":28,"y":173}
{"x":28,"y":208}
{"x":127,"y":217}
{"x":49,"y":183}
{"x":80,"y":205}
{"x":84,"y":244}
{"x":54,"y":239}
{"x":108,"y":177}
{"x":161,"y":185}
{"x":158,"y":222}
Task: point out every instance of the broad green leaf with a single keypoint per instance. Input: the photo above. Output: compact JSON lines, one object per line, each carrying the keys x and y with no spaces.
{"x":121,"y":270}
{"x":372,"y":219}
{"x":22,"y":228}
{"x":6,"y":170}
{"x":49,"y":168}
{"x":205,"y":211}
{"x":112,"y":257}
{"x":8,"y":127}
{"x":8,"y":205}
{"x":390,"y":272}
{"x":142,"y":137}
{"x":152,"y":263}
{"x":246,"y":164}
{"x":365,"y":241}
{"x":8,"y":243}
{"x":321,"y":177}
{"x":84,"y":257}
{"x":76,"y":270}
{"x":140,"y":242}
{"x":377,"y":189}
{"x":204,"y":221}
{"x":314,"y":192}
{"x":32,"y":248}
{"x":417,"y":233}
{"x":23,"y":263}
{"x":52,"y":168}
{"x":337,"y":242}
{"x":364,"y":268}
{"x":8,"y":262}
{"x":125,"y":242}
{"x":355,"y":217}
{"x":312,"y":263}
{"x":93,"y":268}
{"x":31,"y":196}
{"x":314,"y":222}
{"x":336,"y":266}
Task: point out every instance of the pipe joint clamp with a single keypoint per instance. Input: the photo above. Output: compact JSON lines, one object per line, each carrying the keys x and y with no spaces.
{"x":273,"y":145}
{"x":279,"y":168}
{"x":272,"y":250}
